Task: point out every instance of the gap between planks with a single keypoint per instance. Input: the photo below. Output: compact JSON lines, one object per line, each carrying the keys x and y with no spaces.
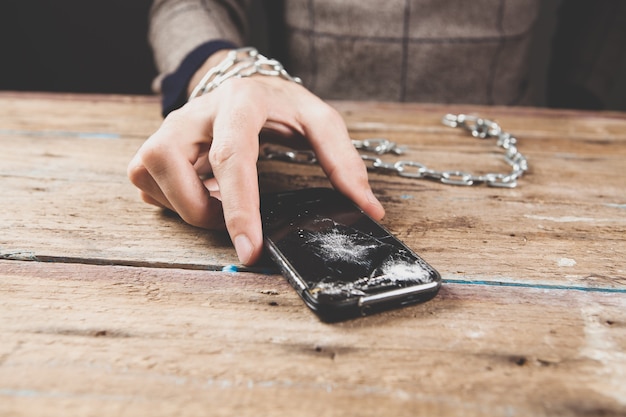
{"x":273,"y":270}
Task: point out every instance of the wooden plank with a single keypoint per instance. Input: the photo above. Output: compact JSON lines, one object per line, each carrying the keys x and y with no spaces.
{"x":65,"y":195}
{"x":91,"y":115}
{"x":64,"y":188}
{"x":95,"y":340}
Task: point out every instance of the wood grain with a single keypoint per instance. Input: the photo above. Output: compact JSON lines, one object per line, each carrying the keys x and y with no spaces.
{"x":95,"y":340}
{"x":111,"y":307}
{"x":65,"y":194}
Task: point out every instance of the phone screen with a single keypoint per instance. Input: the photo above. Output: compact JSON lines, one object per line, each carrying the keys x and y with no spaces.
{"x":337,"y":251}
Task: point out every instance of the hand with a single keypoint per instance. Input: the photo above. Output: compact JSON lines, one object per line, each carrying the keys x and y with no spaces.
{"x":218,"y":133}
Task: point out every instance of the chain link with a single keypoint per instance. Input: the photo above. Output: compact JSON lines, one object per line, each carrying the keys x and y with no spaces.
{"x":240,"y":63}
{"x":476,"y":126}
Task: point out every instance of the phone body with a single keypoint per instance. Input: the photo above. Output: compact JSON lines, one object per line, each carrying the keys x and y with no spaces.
{"x":342,"y":263}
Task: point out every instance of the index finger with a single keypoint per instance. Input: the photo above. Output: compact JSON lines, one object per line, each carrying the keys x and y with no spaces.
{"x":233,"y":156}
{"x":169,"y":156}
{"x":339,"y":159}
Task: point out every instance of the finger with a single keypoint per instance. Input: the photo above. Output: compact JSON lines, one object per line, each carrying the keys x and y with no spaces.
{"x":339,"y":159}
{"x":202,"y":165}
{"x":149,"y":190}
{"x":147,"y":198}
{"x":169,"y":156}
{"x":233,"y":157}
{"x":213,"y":187}
{"x":156,"y":198}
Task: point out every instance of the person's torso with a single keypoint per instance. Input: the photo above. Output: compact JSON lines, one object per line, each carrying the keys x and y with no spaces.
{"x":412,"y":50}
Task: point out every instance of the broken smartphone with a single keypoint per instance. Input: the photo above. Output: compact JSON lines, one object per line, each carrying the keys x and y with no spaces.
{"x":341,"y":262}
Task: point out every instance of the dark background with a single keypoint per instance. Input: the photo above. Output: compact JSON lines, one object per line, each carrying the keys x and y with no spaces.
{"x":102,"y":47}
{"x":75,"y":46}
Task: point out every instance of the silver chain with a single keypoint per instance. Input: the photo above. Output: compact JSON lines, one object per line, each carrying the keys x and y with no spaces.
{"x":476,"y":126}
{"x":240,"y":63}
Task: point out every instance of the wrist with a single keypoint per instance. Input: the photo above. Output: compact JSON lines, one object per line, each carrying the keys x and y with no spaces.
{"x":210,"y":62}
{"x":239,"y":63}
{"x":174,"y":85}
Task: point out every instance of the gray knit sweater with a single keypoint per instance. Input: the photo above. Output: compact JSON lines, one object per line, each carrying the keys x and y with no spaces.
{"x":445,"y":51}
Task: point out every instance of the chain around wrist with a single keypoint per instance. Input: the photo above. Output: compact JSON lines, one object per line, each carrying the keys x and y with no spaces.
{"x":240,"y":63}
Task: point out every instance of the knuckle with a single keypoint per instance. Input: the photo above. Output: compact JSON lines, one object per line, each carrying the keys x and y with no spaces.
{"x":237,"y":220}
{"x":150,"y":154}
{"x":154,"y":155}
{"x":137,"y":172}
{"x":221,"y":153}
{"x":327,"y":114}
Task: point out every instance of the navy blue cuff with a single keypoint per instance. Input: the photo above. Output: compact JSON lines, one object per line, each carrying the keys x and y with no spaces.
{"x":174,"y":85}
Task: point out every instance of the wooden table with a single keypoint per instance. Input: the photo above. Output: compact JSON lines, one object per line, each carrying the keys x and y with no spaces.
{"x":111,"y":307}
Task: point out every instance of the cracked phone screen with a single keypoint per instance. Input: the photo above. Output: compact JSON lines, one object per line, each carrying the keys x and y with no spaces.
{"x":340,"y":252}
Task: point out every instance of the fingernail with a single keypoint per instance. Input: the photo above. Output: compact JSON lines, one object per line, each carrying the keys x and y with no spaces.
{"x":372,"y":199}
{"x":244,"y":248}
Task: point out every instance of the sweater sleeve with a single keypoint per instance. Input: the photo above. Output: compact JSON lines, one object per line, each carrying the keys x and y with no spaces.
{"x":184,"y":33}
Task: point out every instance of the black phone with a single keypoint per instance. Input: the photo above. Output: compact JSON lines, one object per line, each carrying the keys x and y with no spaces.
{"x":342,"y":263}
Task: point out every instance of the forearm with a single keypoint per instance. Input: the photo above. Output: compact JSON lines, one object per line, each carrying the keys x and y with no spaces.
{"x":184,"y":34}
{"x":177,"y":27}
